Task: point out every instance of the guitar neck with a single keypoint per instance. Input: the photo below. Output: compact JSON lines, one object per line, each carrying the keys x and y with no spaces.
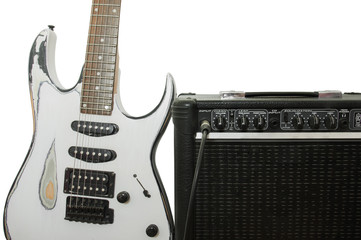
{"x":101,"y":56}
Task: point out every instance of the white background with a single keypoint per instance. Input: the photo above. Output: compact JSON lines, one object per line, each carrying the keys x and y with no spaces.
{"x":207,"y":45}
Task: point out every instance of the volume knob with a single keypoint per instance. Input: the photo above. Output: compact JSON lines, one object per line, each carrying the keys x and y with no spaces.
{"x":330,"y":122}
{"x":314,"y":122}
{"x":259,"y":122}
{"x":243,"y":123}
{"x":298,"y":122}
{"x":220,"y":122}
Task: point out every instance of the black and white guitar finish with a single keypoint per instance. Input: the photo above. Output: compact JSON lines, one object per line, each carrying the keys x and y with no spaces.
{"x":90,"y":172}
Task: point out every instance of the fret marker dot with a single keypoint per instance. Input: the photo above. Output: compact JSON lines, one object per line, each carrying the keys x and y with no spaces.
{"x":102,"y":40}
{"x":84,"y":105}
{"x":107,"y":107}
{"x":96,"y":9}
{"x":114,"y":10}
{"x":98,"y":73}
{"x":97,"y":88}
{"x":100,"y":57}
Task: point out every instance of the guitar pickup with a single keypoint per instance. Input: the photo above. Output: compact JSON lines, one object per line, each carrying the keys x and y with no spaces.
{"x":89,"y":182}
{"x":92,"y":155}
{"x":95,"y":129}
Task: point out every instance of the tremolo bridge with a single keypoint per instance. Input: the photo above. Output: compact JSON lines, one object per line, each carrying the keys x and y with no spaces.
{"x":89,"y":183}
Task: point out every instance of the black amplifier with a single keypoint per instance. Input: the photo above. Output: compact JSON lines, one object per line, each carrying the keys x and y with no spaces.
{"x":276,"y":165}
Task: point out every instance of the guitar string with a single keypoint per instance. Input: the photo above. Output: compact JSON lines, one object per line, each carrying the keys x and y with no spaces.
{"x":85,"y":123}
{"x":90,"y":143}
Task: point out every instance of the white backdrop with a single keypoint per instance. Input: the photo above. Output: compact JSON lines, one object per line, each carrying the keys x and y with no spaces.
{"x":207,"y":45}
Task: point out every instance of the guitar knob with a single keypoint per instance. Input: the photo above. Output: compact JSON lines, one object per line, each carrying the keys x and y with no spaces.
{"x":152,"y":230}
{"x":123,"y":197}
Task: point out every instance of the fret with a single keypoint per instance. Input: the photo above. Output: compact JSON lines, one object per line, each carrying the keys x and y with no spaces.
{"x":97,"y":104}
{"x":98,"y":77}
{"x":99,"y":62}
{"x":110,"y":67}
{"x":100,"y":53}
{"x":93,"y":97}
{"x":98,"y":69}
{"x":113,"y":31}
{"x":99,"y":15}
{"x":102,"y":35}
{"x":105,"y":26}
{"x":99,"y":91}
{"x":104,"y":4}
{"x":104,"y":85}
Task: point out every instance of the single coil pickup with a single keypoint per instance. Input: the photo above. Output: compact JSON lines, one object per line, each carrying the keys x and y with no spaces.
{"x":92,"y":155}
{"x":88,"y":210}
{"x":89,"y":182}
{"x":94,"y":129}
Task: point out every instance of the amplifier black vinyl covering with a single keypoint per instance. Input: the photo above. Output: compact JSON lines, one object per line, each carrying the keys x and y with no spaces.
{"x":275,"y":182}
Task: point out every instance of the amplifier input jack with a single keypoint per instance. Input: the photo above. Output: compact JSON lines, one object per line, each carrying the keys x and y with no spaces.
{"x":344,"y":123}
{"x":274,"y":123}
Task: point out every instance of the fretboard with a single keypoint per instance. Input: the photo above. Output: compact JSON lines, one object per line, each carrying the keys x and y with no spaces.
{"x":101,"y":56}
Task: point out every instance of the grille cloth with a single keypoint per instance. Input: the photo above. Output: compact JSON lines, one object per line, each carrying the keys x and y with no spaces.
{"x":279,"y":191}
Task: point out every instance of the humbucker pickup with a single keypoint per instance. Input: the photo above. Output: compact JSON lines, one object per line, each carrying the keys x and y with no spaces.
{"x":92,"y":155}
{"x":89,"y":182}
{"x":88,"y":210}
{"x":95,"y":129}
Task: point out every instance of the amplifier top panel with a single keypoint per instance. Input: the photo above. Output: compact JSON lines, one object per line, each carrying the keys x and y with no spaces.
{"x":302,"y":112}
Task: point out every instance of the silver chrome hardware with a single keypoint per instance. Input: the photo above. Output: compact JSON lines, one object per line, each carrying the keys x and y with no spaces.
{"x":330,"y":94}
{"x":232,"y":94}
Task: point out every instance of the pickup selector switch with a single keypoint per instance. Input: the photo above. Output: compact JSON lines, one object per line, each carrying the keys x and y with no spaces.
{"x":330,"y":122}
{"x":314,"y":122}
{"x":259,"y":122}
{"x":298,"y":122}
{"x":243,"y":123}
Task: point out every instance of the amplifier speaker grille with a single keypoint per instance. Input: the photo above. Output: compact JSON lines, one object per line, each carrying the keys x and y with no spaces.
{"x":279,"y":190}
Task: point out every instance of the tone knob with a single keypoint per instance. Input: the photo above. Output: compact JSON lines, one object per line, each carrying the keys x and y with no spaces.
{"x":152,"y":230}
{"x":330,"y":122}
{"x":123,"y":197}
{"x":298,"y":122}
{"x":243,"y":123}
{"x":220,"y":122}
{"x":259,"y":122}
{"x":314,"y":122}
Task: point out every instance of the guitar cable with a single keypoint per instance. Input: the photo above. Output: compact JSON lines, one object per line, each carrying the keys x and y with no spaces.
{"x":205,"y":129}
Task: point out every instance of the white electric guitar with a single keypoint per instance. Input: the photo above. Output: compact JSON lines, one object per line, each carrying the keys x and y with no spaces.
{"x":90,"y":172}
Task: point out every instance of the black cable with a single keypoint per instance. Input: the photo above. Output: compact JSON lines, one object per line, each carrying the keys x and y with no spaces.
{"x":205,"y":129}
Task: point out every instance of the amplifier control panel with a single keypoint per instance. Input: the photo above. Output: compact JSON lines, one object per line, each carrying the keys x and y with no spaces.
{"x":309,"y":119}
{"x":281,"y":120}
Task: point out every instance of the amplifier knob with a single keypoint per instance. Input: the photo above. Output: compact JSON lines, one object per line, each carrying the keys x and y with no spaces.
{"x":259,"y":122}
{"x":220,"y":122}
{"x":298,"y":122}
{"x":243,"y":123}
{"x":314,"y":122}
{"x":330,"y":122}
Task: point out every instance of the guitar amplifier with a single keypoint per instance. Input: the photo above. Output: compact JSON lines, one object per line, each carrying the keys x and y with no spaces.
{"x":276,"y":165}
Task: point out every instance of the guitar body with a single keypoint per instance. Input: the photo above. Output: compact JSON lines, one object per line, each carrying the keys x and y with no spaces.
{"x":36,"y":207}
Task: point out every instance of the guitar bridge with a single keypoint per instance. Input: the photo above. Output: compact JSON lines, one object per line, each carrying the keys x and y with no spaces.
{"x":88,"y":210}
